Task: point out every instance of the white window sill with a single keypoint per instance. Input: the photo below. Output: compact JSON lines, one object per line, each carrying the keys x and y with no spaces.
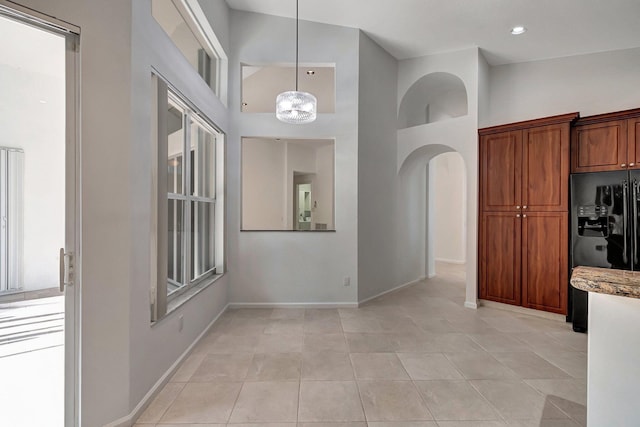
{"x":181,"y":299}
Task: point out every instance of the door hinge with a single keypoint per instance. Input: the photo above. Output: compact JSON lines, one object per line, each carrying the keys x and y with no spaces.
{"x":66,"y":269}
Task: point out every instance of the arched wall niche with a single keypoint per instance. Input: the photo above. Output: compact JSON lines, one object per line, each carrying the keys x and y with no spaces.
{"x":434,"y":97}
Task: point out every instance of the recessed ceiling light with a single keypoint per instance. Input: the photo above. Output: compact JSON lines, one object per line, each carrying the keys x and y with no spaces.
{"x":42,"y":101}
{"x":311,"y":72}
{"x":518,"y":30}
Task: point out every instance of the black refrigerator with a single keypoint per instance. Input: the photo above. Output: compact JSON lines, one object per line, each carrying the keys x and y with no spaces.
{"x":604,"y":229}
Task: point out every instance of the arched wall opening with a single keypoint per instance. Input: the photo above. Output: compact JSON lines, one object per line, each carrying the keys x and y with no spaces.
{"x":434,"y":97}
{"x":433,"y":191}
{"x":446,"y":216}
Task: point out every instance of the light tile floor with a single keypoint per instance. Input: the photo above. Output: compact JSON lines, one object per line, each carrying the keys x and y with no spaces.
{"x":412,"y":358}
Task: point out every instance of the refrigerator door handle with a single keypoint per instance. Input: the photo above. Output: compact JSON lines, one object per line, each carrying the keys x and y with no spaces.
{"x":634,"y":201}
{"x":625,"y":225}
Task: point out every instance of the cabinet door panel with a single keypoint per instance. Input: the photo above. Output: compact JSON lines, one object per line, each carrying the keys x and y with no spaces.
{"x":599,"y":147}
{"x":633,"y":141}
{"x":500,"y":258}
{"x":545,"y":168}
{"x":501,"y":160}
{"x":545,"y":262}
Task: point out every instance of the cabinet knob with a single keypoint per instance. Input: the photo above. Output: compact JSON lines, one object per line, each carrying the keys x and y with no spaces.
{"x":524,"y":207}
{"x":624,"y":165}
{"x":524,"y":216}
{"x":631,"y":165}
{"x":517,"y":207}
{"x":518,"y":216}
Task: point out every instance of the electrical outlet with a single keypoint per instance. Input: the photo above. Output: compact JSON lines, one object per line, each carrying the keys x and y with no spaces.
{"x":347,"y":281}
{"x":180,"y":323}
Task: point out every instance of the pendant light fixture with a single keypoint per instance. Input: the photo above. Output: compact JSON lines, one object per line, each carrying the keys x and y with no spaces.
{"x":294,"y":106}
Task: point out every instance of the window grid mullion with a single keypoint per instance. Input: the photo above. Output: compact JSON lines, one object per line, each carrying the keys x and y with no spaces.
{"x":187,"y":208}
{"x":197,"y":190}
{"x":176,"y":240}
{"x":202,"y":199}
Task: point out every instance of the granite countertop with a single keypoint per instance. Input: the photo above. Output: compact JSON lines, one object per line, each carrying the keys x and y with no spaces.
{"x":623,"y":283}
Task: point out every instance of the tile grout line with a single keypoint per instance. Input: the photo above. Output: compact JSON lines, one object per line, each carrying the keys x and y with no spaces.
{"x":500,"y":414}
{"x":469,"y":382}
{"x":172,"y":401}
{"x":556,"y":406}
{"x":355,"y":379}
{"x":244,"y":381}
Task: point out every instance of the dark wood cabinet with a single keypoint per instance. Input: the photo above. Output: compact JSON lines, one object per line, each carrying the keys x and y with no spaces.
{"x":599,"y":147}
{"x":606,"y":142}
{"x":545,"y":260}
{"x":633,"y":132}
{"x":524,"y":259}
{"x":524,"y":193}
{"x":501,"y":158}
{"x":525,"y":169}
{"x":545,"y":168}
{"x":500,"y":257}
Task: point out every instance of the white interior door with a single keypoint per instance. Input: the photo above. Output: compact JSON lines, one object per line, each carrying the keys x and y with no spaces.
{"x":39,"y":64}
{"x":70,"y":267}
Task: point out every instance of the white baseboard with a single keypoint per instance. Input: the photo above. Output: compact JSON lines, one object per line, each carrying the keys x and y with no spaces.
{"x":236,"y":305}
{"x":451,"y":261}
{"x":397,"y":288}
{"x":128,"y":420}
{"x":470,"y":304}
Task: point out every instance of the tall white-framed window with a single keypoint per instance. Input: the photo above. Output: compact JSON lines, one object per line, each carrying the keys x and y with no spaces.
{"x":187,"y":26}
{"x":189,"y":181}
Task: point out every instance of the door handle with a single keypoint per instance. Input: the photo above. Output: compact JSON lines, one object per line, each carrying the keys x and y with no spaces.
{"x":625,"y":221}
{"x":634,"y":201}
{"x":66,"y":269}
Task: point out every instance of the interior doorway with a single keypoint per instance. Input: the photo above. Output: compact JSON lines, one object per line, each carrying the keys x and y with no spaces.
{"x":38,"y":323}
{"x":303,"y":202}
{"x":447,"y":213}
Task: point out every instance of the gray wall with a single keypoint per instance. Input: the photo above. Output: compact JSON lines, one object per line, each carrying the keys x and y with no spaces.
{"x":377,"y":174}
{"x":484,"y":76}
{"x":153,"y":350}
{"x":591,"y":84}
{"x":295,"y":267}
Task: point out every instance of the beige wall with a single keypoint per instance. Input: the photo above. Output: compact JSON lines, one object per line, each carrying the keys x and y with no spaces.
{"x":449,"y":186}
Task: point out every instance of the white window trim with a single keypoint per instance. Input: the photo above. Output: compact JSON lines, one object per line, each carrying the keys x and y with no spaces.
{"x":161,"y":303}
{"x":195,"y":17}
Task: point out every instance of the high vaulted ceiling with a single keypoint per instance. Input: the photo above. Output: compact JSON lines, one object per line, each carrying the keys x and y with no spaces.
{"x":412,"y":28}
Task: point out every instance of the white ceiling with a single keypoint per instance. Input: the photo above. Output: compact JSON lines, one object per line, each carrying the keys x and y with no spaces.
{"x":412,"y":28}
